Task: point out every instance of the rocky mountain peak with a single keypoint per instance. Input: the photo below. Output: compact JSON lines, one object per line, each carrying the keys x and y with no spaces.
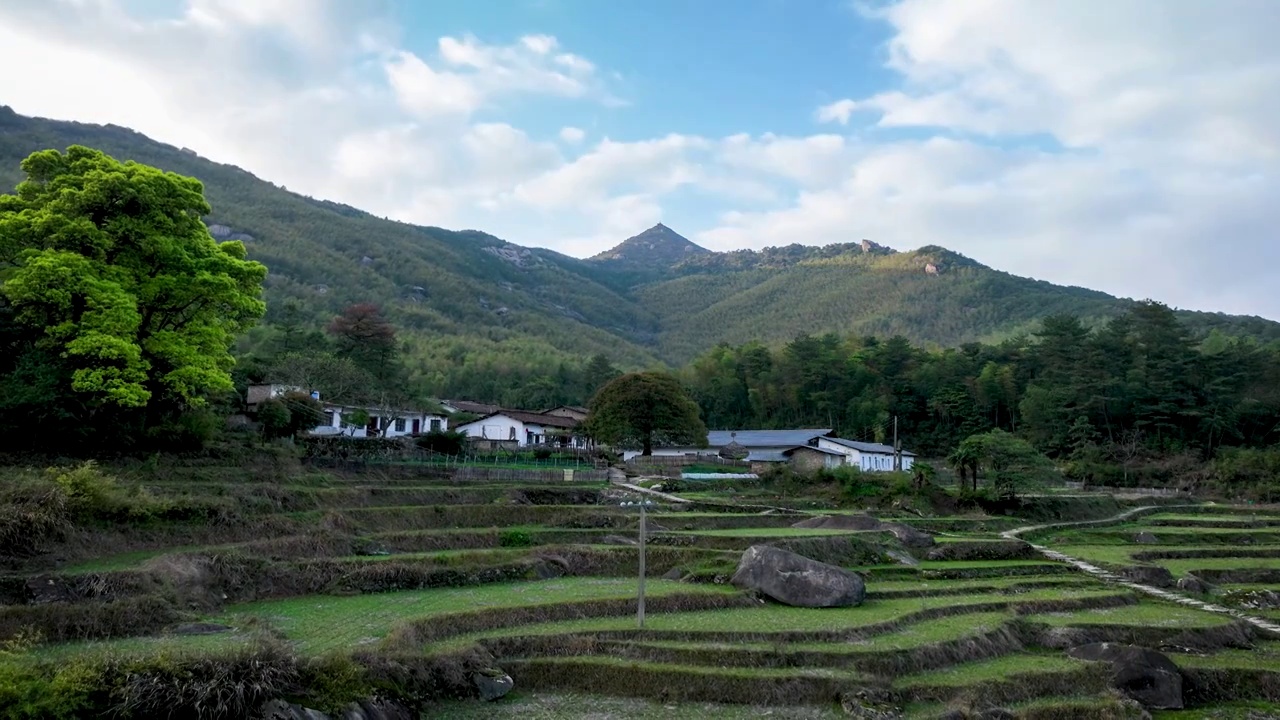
{"x":657,"y":246}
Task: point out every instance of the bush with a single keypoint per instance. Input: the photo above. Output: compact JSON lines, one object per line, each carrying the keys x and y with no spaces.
{"x":542,"y":453}
{"x":515,"y":538}
{"x":445,"y":442}
{"x":92,"y":494}
{"x":28,"y":690}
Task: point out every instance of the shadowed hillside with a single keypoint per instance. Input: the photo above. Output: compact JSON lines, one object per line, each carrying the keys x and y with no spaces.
{"x":469,"y":302}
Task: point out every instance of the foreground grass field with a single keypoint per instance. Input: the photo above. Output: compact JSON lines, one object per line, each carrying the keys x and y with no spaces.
{"x":431,"y":579}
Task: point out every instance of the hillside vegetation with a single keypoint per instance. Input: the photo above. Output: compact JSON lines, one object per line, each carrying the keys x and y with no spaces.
{"x":470,"y":303}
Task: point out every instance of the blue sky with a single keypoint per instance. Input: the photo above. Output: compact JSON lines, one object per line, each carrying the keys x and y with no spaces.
{"x":1129,"y":146}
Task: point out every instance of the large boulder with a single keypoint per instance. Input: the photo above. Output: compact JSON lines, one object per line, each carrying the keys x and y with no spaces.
{"x":1143,"y":674}
{"x":1152,"y":575}
{"x":1146,"y":538}
{"x":492,"y":683}
{"x":1194,"y":585}
{"x":909,"y":536}
{"x":796,"y":580}
{"x":377,"y":709}
{"x":840,"y":522}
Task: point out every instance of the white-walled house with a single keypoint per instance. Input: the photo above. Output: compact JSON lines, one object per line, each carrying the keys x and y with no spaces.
{"x":382,"y":422}
{"x":869,"y":457}
{"x":765,"y":446}
{"x":522,"y":429}
{"x":760,"y":443}
{"x":257,"y":394}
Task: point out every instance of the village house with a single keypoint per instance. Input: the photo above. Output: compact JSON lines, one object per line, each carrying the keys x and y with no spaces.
{"x":869,"y":457}
{"x":804,"y":449}
{"x":356,"y":420}
{"x":519,"y":428}
{"x":570,"y":411}
{"x":378,"y":422}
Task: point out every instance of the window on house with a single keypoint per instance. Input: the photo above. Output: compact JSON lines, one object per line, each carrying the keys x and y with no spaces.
{"x":435,"y":424}
{"x":333,"y":419}
{"x":512,"y":435}
{"x":399,"y":424}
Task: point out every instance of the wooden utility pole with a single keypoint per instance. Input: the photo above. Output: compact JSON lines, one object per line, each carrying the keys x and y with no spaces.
{"x":897,"y":449}
{"x":640,"y":598}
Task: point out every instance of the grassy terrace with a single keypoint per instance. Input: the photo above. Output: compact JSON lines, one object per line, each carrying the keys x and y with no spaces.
{"x":777,"y":621}
{"x":957,"y":627}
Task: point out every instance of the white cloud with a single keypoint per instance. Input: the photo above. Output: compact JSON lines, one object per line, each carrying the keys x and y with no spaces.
{"x":1166,"y":109}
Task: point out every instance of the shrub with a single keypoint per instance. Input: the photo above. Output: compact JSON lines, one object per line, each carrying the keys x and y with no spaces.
{"x":29,"y":690}
{"x":542,"y":453}
{"x":92,"y":494}
{"x":515,"y":538}
{"x":445,"y":442}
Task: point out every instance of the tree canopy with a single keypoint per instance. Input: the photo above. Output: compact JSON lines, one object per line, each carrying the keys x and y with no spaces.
{"x":645,"y":409}
{"x":115,"y":301}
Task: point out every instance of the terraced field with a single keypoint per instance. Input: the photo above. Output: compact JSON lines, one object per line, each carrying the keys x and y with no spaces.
{"x":427,"y":581}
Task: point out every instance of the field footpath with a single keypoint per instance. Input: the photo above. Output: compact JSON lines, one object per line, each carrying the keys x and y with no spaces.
{"x":1110,"y":577}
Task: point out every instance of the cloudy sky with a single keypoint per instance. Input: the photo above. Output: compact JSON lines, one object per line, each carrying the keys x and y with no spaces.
{"x":1127,"y":145}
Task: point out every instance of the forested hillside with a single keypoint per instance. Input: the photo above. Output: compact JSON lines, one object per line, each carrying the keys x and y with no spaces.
{"x":488,"y":319}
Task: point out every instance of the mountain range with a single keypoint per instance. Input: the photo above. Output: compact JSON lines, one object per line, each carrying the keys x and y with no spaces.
{"x":655,"y":297}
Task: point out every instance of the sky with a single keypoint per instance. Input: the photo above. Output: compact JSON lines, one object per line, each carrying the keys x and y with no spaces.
{"x":1130,"y":146}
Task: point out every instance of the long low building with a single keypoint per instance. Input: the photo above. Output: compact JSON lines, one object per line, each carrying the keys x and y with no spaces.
{"x":519,"y":428}
{"x":809,"y":448}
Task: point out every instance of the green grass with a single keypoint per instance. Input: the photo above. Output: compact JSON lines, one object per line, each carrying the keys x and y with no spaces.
{"x":1065,"y":581}
{"x":547,"y":706}
{"x":1152,"y":614}
{"x":741,"y":672}
{"x":1242,"y":710}
{"x":767,"y":532}
{"x":1002,"y":668}
{"x":320,"y":623}
{"x":767,"y":618}
{"x":167,"y":644}
{"x":1265,"y":656}
{"x":912,"y":636}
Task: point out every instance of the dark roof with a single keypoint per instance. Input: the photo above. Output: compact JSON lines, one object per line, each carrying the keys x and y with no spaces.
{"x":877,"y":448}
{"x":764,"y":438}
{"x":531,"y":418}
{"x":574,"y":408}
{"x":475,"y":408}
{"x":783,"y":455}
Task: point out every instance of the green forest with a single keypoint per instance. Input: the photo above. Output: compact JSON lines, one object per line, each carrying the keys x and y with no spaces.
{"x":108,"y":335}
{"x":486,"y":319}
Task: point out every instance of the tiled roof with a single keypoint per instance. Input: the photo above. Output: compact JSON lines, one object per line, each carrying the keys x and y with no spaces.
{"x":876,"y":448}
{"x":764,"y":438}
{"x":531,"y":418}
{"x":784,"y":455}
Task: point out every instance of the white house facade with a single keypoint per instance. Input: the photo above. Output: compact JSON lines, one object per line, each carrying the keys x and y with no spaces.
{"x":339,"y":420}
{"x":524,"y":429}
{"x":766,"y":446}
{"x":868,"y":457}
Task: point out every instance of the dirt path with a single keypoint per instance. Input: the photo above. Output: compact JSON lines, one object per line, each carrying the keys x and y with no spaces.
{"x":1110,"y":577}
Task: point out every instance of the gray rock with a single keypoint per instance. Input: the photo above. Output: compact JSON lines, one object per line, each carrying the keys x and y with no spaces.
{"x":840,"y":522}
{"x":1143,"y":674}
{"x":618,"y":540}
{"x":1194,"y":585}
{"x":1152,"y":575}
{"x":200,"y":628}
{"x":282,"y":710}
{"x":796,"y":580}
{"x":550,"y":566}
{"x":377,"y":709}
{"x":1146,"y":538}
{"x":1260,"y":599}
{"x":902,"y":558}
{"x":909,"y":536}
{"x":674,"y":573}
{"x":492,"y":683}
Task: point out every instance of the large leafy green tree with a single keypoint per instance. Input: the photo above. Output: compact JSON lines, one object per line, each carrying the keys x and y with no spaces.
{"x":643,"y":410}
{"x":114,"y":289}
{"x":1011,"y":462}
